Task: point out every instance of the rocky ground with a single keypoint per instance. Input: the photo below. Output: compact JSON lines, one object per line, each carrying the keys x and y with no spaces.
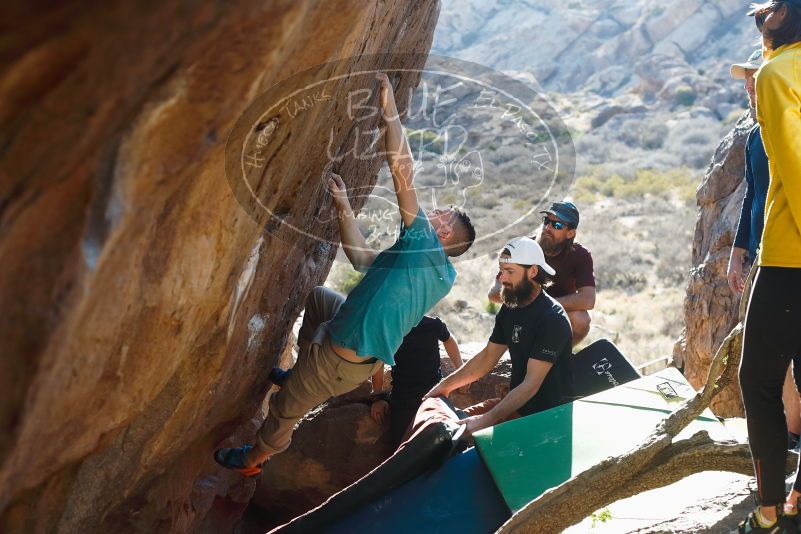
{"x":712,"y":502}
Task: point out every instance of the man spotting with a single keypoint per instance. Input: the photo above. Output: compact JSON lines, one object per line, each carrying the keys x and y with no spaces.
{"x":342,"y":342}
{"x":535,"y":329}
{"x":574,"y":283}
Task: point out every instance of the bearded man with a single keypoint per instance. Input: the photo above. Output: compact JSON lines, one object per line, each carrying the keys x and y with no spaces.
{"x":534,"y":328}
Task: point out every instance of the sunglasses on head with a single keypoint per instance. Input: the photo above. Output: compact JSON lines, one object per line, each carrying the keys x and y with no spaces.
{"x":557,"y":225}
{"x":759,"y":18}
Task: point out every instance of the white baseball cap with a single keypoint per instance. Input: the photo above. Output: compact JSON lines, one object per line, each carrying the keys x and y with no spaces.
{"x":526,"y":251}
{"x":754,"y":61}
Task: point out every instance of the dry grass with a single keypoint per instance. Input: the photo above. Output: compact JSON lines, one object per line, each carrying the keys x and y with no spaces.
{"x":643,"y":325}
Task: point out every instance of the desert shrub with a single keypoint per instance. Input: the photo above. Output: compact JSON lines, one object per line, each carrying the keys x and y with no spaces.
{"x":685,"y":95}
{"x":486,"y":201}
{"x":430,"y":141}
{"x":673,"y":245}
{"x":507,"y":153}
{"x":645,"y":134}
{"x":732,"y":118}
{"x":520,"y":204}
{"x":344,"y":278}
{"x":491,"y":307}
{"x":693,"y":142}
{"x":676,"y":183}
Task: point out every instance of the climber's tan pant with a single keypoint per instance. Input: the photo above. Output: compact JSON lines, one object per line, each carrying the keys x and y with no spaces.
{"x":318,"y":375}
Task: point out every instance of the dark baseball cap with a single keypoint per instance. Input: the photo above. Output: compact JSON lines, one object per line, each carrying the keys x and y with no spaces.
{"x":567,"y":212}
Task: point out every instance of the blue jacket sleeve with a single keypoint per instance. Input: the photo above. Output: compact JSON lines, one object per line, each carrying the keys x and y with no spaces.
{"x":743,"y":234}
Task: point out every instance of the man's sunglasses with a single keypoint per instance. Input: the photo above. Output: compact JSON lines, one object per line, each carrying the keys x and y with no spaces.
{"x":557,"y":225}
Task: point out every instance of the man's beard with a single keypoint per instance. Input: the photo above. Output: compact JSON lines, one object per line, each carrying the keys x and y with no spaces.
{"x":522,"y":292}
{"x":549,"y":247}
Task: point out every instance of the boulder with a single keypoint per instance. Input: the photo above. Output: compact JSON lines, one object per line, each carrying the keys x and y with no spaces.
{"x":693,"y":22}
{"x":608,"y":81}
{"x":333,"y":446}
{"x":655,"y":70}
{"x":710,"y":307}
{"x":142,"y":304}
{"x":661,"y":20}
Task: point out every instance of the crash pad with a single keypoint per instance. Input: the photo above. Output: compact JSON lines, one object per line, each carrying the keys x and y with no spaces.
{"x":527,"y":456}
{"x":458,"y":497}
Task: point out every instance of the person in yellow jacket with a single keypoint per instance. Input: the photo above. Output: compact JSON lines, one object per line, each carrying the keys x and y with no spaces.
{"x":772,"y":336}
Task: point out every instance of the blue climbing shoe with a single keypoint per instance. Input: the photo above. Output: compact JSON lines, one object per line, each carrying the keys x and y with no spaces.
{"x":278,"y":376}
{"x":235,"y":459}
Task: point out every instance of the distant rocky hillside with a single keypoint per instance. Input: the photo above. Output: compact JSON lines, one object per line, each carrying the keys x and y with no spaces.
{"x":640,"y":84}
{"x":605,"y":47}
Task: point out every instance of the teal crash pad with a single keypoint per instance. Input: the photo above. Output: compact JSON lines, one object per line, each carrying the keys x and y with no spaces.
{"x":530,"y":455}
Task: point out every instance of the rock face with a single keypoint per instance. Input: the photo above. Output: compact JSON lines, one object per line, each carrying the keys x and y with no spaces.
{"x":338,"y":443}
{"x":332,"y":447}
{"x":142,"y":305}
{"x":710,"y":308}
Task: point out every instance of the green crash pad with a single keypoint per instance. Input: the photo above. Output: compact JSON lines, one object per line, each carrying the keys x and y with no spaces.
{"x":528,"y":456}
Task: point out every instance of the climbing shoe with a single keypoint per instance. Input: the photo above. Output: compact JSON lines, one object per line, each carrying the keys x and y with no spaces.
{"x":751,"y":525}
{"x":235,"y":459}
{"x":791,"y":513}
{"x":278,"y":376}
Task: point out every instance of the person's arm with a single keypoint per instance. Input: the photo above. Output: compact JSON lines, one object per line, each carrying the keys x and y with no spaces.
{"x":778,"y":106}
{"x":354,"y":244}
{"x":536,"y":370}
{"x":494,"y":294}
{"x":478,"y":366}
{"x":452,"y":350}
{"x":582,"y":299}
{"x":743,"y":232}
{"x":399,"y":155}
{"x":734,"y":272}
{"x":555,"y":336}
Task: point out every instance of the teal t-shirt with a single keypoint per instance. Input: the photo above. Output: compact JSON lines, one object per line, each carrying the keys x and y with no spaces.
{"x":398,"y":289}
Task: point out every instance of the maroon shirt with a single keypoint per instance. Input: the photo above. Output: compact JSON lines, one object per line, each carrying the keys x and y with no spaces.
{"x":573,"y":270}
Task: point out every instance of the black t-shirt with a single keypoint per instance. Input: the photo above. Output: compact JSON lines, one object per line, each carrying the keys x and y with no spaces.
{"x":541,"y":331}
{"x":417,"y":359}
